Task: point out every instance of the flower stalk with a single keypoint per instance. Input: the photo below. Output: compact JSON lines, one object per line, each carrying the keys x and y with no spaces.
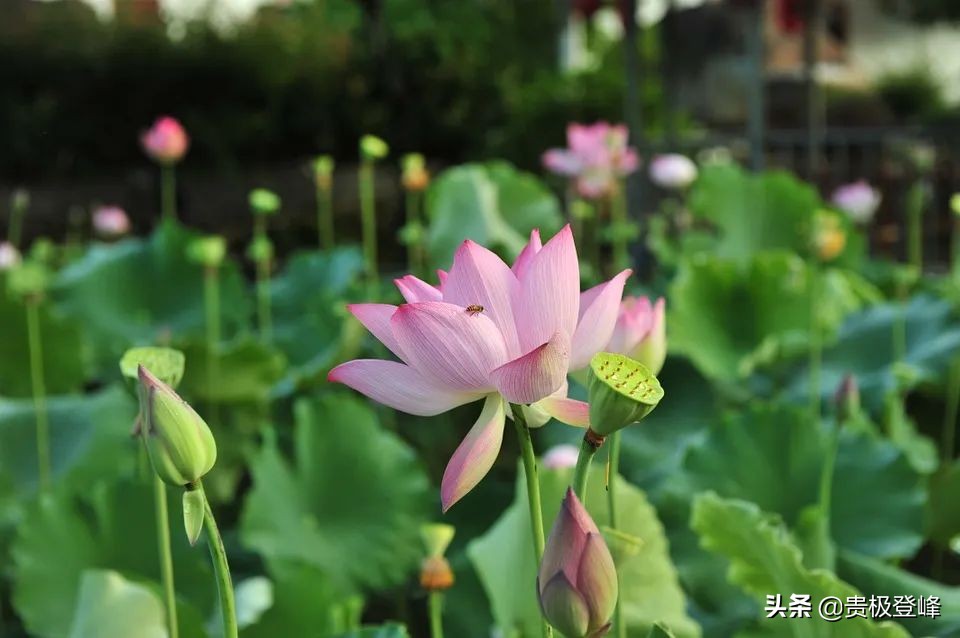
{"x":614,"y":461}
{"x":588,"y":449}
{"x":218,"y":554}
{"x":166,"y":556}
{"x":168,"y":192}
{"x":35,"y":345}
{"x":323,"y":180}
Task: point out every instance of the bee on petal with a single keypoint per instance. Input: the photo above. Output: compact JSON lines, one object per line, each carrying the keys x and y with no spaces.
{"x":474,"y":309}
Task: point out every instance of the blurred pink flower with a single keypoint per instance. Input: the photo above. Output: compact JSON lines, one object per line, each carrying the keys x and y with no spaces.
{"x":859,"y":200}
{"x":110,"y":222}
{"x":641,"y":332}
{"x":673,"y":171}
{"x":490,"y":332}
{"x":577,"y":581}
{"x":596,"y":156}
{"x":165,"y":142}
{"x":560,"y":457}
{"x":9,"y":256}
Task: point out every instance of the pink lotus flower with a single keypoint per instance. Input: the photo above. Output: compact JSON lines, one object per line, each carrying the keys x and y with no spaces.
{"x":9,"y":256}
{"x":110,"y":221}
{"x":490,"y":332}
{"x":577,"y":582}
{"x":641,"y":332}
{"x":673,"y":171}
{"x":596,"y":156}
{"x":165,"y":142}
{"x":560,"y":457}
{"x":859,"y":200}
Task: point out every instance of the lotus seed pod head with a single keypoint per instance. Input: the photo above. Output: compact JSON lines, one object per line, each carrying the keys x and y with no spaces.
{"x":264,"y":202}
{"x":848,"y":397}
{"x":561,"y":457}
{"x":435,"y":574}
{"x":29,"y":279}
{"x":166,"y":364}
{"x":260,"y":249}
{"x":9,"y":256}
{"x":577,"y":581}
{"x":955,"y":204}
{"x":436,"y":537}
{"x":180,"y":445}
{"x":323,"y":165}
{"x":621,"y":391}
{"x":209,"y":251}
{"x":415,"y":174}
{"x":373,"y":148}
{"x":166,"y":142}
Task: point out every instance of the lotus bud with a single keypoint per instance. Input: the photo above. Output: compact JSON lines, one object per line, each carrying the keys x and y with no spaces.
{"x":577,"y":582}
{"x":323,"y":166}
{"x":209,"y":251}
{"x":561,"y":457}
{"x":416,"y":177}
{"x":955,"y":204}
{"x":179,"y":442}
{"x":29,"y":280}
{"x":110,"y":222}
{"x":621,"y":391}
{"x":673,"y":171}
{"x":264,"y":202}
{"x":260,"y":249}
{"x":435,"y":572}
{"x":641,"y":332}
{"x":373,"y":148}
{"x":848,"y":398}
{"x":165,"y":142}
{"x":9,"y":256}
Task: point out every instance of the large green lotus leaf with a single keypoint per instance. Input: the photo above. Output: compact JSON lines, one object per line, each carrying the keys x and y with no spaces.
{"x":308,"y":306}
{"x":145,"y":291}
{"x":764,"y":561}
{"x":492,"y":204}
{"x":773,"y":456}
{"x":351,"y":503}
{"x":110,"y":606}
{"x":864,"y":348}
{"x":247,"y":368}
{"x":108,"y":527}
{"x":305,"y":604}
{"x":89,"y":438}
{"x":731,"y":319}
{"x":63,"y":348}
{"x":390,"y":630}
{"x":876,"y":577}
{"x":944,"y":506}
{"x":503,"y":558}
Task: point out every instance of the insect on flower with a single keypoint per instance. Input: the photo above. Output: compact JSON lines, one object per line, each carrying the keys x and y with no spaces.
{"x":474,"y":309}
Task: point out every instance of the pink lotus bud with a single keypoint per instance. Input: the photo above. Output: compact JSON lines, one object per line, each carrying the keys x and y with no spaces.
{"x":641,"y":332}
{"x":110,"y":222}
{"x":9,"y":256}
{"x":858,"y":200}
{"x":673,"y":171}
{"x":577,"y":583}
{"x":560,"y":457}
{"x":165,"y":142}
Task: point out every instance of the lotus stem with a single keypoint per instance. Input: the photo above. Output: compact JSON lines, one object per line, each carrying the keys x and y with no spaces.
{"x":435,"y":602}
{"x":368,"y":219}
{"x":221,"y":569}
{"x":618,"y":217}
{"x":588,"y":448}
{"x":35,"y":346}
{"x":415,"y":250}
{"x":816,"y":341}
{"x":948,"y":436}
{"x":529,"y":459}
{"x":614,"y":455}
{"x":168,"y":192}
{"x":211,"y":307}
{"x":325,"y":226}
{"x":166,"y":557}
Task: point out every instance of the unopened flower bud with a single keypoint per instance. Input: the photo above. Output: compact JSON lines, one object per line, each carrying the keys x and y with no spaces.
{"x":29,"y":280}
{"x":264,"y":202}
{"x":323,"y":166}
{"x":110,"y":222}
{"x":621,"y":391}
{"x":166,"y":142}
{"x":577,"y":582}
{"x":373,"y":148}
{"x":848,"y":398}
{"x":260,"y":249}
{"x":416,"y":177}
{"x":181,"y":447}
{"x":208,"y":251}
{"x":673,"y":171}
{"x":829,"y":237}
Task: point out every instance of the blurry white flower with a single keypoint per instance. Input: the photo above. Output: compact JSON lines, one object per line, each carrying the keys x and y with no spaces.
{"x":110,"y":222}
{"x":859,"y":200}
{"x":673,"y":171}
{"x":9,"y":256}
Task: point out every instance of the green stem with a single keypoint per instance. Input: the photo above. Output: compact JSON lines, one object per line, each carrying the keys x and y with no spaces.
{"x":415,"y":248}
{"x":915,"y":226}
{"x":618,"y":217}
{"x":588,"y":448}
{"x":900,"y":329}
{"x":816,"y":341}
{"x":325,"y":216}
{"x":211,"y":306}
{"x":168,"y":192}
{"x":15,"y":228}
{"x":35,"y":346}
{"x":368,"y":218}
{"x":614,"y":454}
{"x":948,"y":436}
{"x":166,"y":557}
{"x":221,"y":569}
{"x":263,"y":300}
{"x":435,"y":602}
{"x":533,"y":491}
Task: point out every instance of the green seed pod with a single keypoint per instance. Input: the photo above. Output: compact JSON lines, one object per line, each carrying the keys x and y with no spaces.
{"x":166,"y":364}
{"x":373,"y":148}
{"x":621,"y":391}
{"x":260,"y":249}
{"x":179,"y":442}
{"x":264,"y":202}
{"x":208,"y":251}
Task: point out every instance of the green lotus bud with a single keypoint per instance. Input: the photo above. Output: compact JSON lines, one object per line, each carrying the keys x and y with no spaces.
{"x":260,"y":249}
{"x":181,"y":447}
{"x":208,"y":251}
{"x":373,"y":148}
{"x":577,"y":580}
{"x":621,"y":391}
{"x":415,"y":175}
{"x":264,"y":202}
{"x":323,"y":166}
